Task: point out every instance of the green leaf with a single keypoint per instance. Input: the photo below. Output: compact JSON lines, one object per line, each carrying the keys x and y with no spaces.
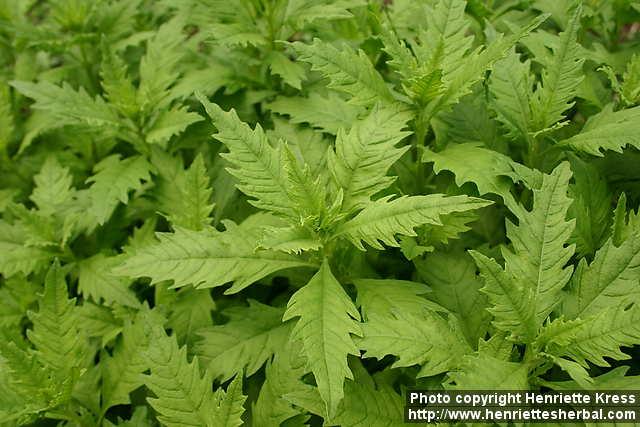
{"x":599,"y":336}
{"x":327,"y":113}
{"x":490,"y":171}
{"x":252,"y":335}
{"x":17,"y":294}
{"x":445,"y":41}
{"x":189,"y":311}
{"x":483,"y":372}
{"x":607,"y":130}
{"x":327,"y":319}
{"x":28,"y":388}
{"x":122,"y":372}
{"x":158,"y":67}
{"x":528,"y":288}
{"x":561,"y":75}
{"x":290,"y":240}
{"x":590,"y":208}
{"x":307,"y":192}
{"x":348,"y":71}
{"x":257,"y":165}
{"x":184,"y":397}
{"x":455,"y":285}
{"x":229,"y":405}
{"x":610,"y":280}
{"x":283,"y":377}
{"x":424,"y":339}
{"x":7,"y":121}
{"x":383,"y":219}
{"x":207,"y":259}
{"x":615,"y":379}
{"x":169,"y":123}
{"x":291,"y":72}
{"x":301,"y":12}
{"x":59,"y":342}
{"x":367,"y":406}
{"x":112,"y":180}
{"x":117,"y":85}
{"x":512,"y":91}
{"x":69,"y":107}
{"x":96,"y":281}
{"x":364,"y":154}
{"x":53,"y":187}
{"x":461,"y":75}
{"x":384,"y":297}
{"x":187,"y":197}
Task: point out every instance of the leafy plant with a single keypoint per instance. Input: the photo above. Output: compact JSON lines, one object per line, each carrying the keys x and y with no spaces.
{"x":287,"y":212}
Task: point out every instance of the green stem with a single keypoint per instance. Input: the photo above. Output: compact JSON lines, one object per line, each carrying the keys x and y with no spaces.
{"x":532,"y":153}
{"x":418,"y":144}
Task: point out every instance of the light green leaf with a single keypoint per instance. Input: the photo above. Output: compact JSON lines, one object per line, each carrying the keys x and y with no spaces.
{"x":364,"y":154}
{"x":229,"y":405}
{"x":465,"y":73}
{"x":483,"y":372}
{"x":283,"y":377}
{"x":186,"y":196}
{"x":610,"y":280}
{"x":252,"y":335}
{"x":490,"y":171}
{"x":590,"y":208}
{"x":561,"y":75}
{"x":53,"y":187}
{"x":383,"y":219}
{"x":607,"y":130}
{"x":69,"y":106}
{"x":327,"y":113}
{"x":424,"y":339}
{"x":169,"y":123}
{"x":599,"y":336}
{"x":384,"y":297}
{"x":257,"y":165}
{"x":366,"y":406}
{"x":528,"y":288}
{"x":184,"y":397}
{"x":291,"y":72}
{"x":117,"y":85}
{"x":122,"y":372}
{"x":189,"y":311}
{"x":96,"y":281}
{"x":455,"y":285}
{"x":158,"y":67}
{"x":112,"y":180}
{"x":327,"y":319}
{"x":511,"y":88}
{"x":348,"y":71}
{"x":289,"y":239}
{"x":59,"y":342}
{"x":207,"y":259}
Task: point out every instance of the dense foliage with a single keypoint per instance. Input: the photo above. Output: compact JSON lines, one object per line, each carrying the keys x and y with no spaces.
{"x":286,"y":212}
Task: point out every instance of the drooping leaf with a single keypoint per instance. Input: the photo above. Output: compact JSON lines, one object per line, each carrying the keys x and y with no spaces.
{"x":423,"y":339}
{"x":348,"y":71}
{"x":326,"y":320}
{"x":252,"y":335}
{"x":207,"y":258}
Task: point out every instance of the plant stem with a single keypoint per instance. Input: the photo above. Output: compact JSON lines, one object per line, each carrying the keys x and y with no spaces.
{"x":418,"y":144}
